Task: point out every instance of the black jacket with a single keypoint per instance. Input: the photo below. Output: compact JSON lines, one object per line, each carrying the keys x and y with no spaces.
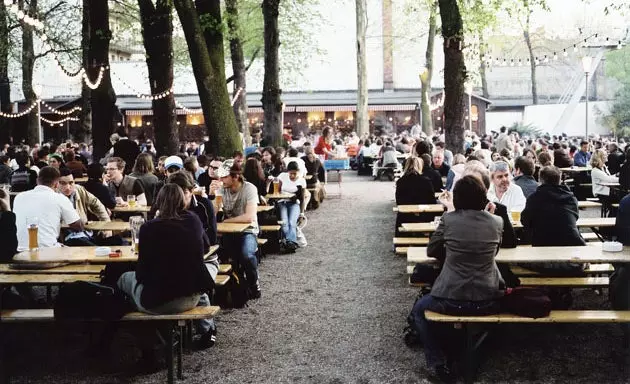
{"x":615,"y":160}
{"x":622,"y":222}
{"x":551,"y":214}
{"x":435,"y":178}
{"x":8,"y":236}
{"x":414,"y":189}
{"x":101,"y":192}
{"x":5,"y":172}
{"x":170,"y":262}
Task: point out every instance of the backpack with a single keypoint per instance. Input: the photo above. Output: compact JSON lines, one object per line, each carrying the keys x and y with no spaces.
{"x":82,"y":300}
{"x":234,"y":295}
{"x":526,"y":302}
{"x":619,"y":288}
{"x":20,"y":180}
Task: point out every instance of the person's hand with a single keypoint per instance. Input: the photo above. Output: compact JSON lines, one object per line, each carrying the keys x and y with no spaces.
{"x":491,"y":207}
{"x":446,"y":199}
{"x":214,"y":186}
{"x":105,"y":178}
{"x":120,"y":202}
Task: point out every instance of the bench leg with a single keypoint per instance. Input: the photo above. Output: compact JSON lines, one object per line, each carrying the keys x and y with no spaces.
{"x":180,"y":349}
{"x":472,"y":346}
{"x":169,"y":353}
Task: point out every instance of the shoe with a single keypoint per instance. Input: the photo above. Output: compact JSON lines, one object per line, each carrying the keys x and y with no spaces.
{"x":254,"y":292}
{"x":287,"y":247}
{"x":205,"y":341}
{"x":147,"y":365}
{"x":444,"y":374}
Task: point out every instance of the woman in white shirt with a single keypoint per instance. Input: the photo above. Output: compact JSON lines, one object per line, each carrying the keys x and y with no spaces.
{"x":599,"y":175}
{"x":291,"y":210}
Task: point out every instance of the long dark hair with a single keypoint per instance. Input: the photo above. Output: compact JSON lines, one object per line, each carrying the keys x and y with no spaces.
{"x":170,"y":202}
{"x":253,"y":170}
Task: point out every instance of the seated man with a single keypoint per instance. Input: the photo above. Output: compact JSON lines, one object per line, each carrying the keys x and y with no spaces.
{"x":502,"y":190}
{"x":120,"y":185}
{"x":88,"y":207}
{"x":23,"y":178}
{"x":439,"y":164}
{"x":240,"y":199}
{"x":95,"y":186}
{"x":47,"y":208}
{"x":208,"y":176}
{"x":524,"y":175}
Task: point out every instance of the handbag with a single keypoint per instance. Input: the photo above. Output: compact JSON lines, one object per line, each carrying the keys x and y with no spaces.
{"x":526,"y":302}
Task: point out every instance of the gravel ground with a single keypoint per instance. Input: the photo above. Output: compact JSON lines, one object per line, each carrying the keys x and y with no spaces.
{"x":334,"y":313}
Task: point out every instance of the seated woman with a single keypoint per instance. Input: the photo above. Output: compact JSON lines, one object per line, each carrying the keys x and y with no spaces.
{"x":465,"y":242}
{"x":290,"y":210}
{"x":143,"y":170}
{"x":413,"y":188}
{"x":254,"y":174}
{"x":599,"y":175}
{"x":170,"y":276}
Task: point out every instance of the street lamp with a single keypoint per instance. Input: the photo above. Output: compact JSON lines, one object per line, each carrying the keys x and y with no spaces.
{"x":586,"y":66}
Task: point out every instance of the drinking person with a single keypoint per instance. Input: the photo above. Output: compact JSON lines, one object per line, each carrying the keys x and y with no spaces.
{"x":120,"y":185}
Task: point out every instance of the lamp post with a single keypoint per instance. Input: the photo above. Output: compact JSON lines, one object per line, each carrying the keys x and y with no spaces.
{"x":586,"y":66}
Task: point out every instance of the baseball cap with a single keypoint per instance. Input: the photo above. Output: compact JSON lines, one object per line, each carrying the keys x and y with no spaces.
{"x":225,"y":168}
{"x":173,"y":161}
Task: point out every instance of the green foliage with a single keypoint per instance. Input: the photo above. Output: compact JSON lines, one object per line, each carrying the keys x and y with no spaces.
{"x":526,"y":130}
{"x":618,"y":118}
{"x":618,"y":65}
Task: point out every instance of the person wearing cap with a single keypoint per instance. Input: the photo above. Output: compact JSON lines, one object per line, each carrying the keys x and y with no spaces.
{"x":121,"y":185}
{"x":291,"y":209}
{"x":503,"y":190}
{"x":240,"y":199}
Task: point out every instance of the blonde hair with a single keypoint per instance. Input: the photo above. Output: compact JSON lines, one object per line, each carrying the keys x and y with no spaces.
{"x":413,"y":164}
{"x":459,"y":159}
{"x":598,"y":159}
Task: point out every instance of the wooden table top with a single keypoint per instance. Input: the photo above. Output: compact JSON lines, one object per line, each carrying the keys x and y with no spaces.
{"x":591,"y":253}
{"x":420,"y":208}
{"x":232,"y":227}
{"x":128,"y":209}
{"x":264,"y":208}
{"x":589,"y":222}
{"x":613,"y":184}
{"x":279,"y":196}
{"x":576,"y":169}
{"x":73,"y":255}
{"x":81,"y":180}
{"x":117,"y":226}
{"x":589,"y":204}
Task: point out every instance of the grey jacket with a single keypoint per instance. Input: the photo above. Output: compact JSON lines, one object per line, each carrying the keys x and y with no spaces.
{"x":466,"y":241}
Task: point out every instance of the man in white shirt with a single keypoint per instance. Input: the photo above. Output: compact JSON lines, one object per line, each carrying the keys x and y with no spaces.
{"x":293,"y":156}
{"x":47,"y":208}
{"x":503,"y":191}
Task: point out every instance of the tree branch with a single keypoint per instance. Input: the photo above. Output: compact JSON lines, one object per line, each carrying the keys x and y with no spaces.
{"x":251,"y":61}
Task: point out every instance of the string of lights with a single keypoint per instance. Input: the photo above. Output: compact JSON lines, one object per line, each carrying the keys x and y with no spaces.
{"x":60,"y":112}
{"x":20,"y":114}
{"x":188,"y":110}
{"x":61,"y":121}
{"x":517,"y":61}
{"x":140,"y":95}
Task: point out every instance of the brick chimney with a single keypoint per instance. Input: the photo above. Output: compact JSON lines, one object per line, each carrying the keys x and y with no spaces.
{"x":388,"y":47}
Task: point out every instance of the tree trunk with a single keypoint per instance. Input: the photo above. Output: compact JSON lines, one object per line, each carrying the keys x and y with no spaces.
{"x":103,"y":100}
{"x":454,"y":75}
{"x":271,"y":102}
{"x":28,"y":65}
{"x":84,"y":131}
{"x":427,"y":75}
{"x":482,"y":66}
{"x":362,"y":120}
{"x":5,"y":85}
{"x":532,"y":58}
{"x":157,"y":35}
{"x":238,"y":69}
{"x":215,"y":101}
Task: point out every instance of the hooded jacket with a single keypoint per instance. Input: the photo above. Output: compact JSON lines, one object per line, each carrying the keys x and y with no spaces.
{"x":550,"y":215}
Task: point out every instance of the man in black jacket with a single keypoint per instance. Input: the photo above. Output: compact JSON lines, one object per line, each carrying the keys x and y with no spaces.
{"x":524,"y":175}
{"x":615,"y":158}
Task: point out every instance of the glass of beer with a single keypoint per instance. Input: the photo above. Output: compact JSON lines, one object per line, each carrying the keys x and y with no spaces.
{"x":135,"y":222}
{"x":32,"y":225}
{"x":131,"y":200}
{"x":218,"y":198}
{"x":276,"y":186}
{"x":516,"y":216}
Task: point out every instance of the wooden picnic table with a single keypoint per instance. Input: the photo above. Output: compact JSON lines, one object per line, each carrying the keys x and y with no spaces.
{"x":590,"y":222}
{"x":264,"y":208}
{"x":589,"y":204}
{"x":73,"y":255}
{"x":81,"y":180}
{"x":576,"y":169}
{"x":419,"y":208}
{"x":279,"y":196}
{"x":232,"y":227}
{"x":116,"y":226}
{"x":127,"y":209}
{"x":591,"y":253}
{"x":606,"y":184}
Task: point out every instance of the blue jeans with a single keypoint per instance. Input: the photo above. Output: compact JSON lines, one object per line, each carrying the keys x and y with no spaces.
{"x":242,"y":248}
{"x":429,"y":332}
{"x":289,"y":214}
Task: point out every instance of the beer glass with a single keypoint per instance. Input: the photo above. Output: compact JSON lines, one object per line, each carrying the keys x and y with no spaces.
{"x":276,"y":186}
{"x":131,"y":201}
{"x":135,"y":222}
{"x":32,"y":225}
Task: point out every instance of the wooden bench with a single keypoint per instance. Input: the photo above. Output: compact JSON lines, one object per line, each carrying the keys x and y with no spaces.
{"x":590,"y":236}
{"x":475,"y":337}
{"x":593,"y":269}
{"x":65,"y":269}
{"x":401,"y":251}
{"x":221,"y":280}
{"x":260,"y":241}
{"x":411,"y":240}
{"x":225,"y":269}
{"x":45,"y":279}
{"x":270,"y":228}
{"x":170,"y":324}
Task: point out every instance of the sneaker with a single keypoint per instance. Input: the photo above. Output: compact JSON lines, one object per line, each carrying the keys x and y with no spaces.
{"x":205,"y":341}
{"x":254,"y":292}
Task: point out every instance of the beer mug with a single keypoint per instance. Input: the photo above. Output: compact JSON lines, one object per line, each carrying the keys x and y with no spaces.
{"x":276,"y":186}
{"x":32,"y":225}
{"x":135,"y":222}
{"x":131,"y":200}
{"x":516,"y":216}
